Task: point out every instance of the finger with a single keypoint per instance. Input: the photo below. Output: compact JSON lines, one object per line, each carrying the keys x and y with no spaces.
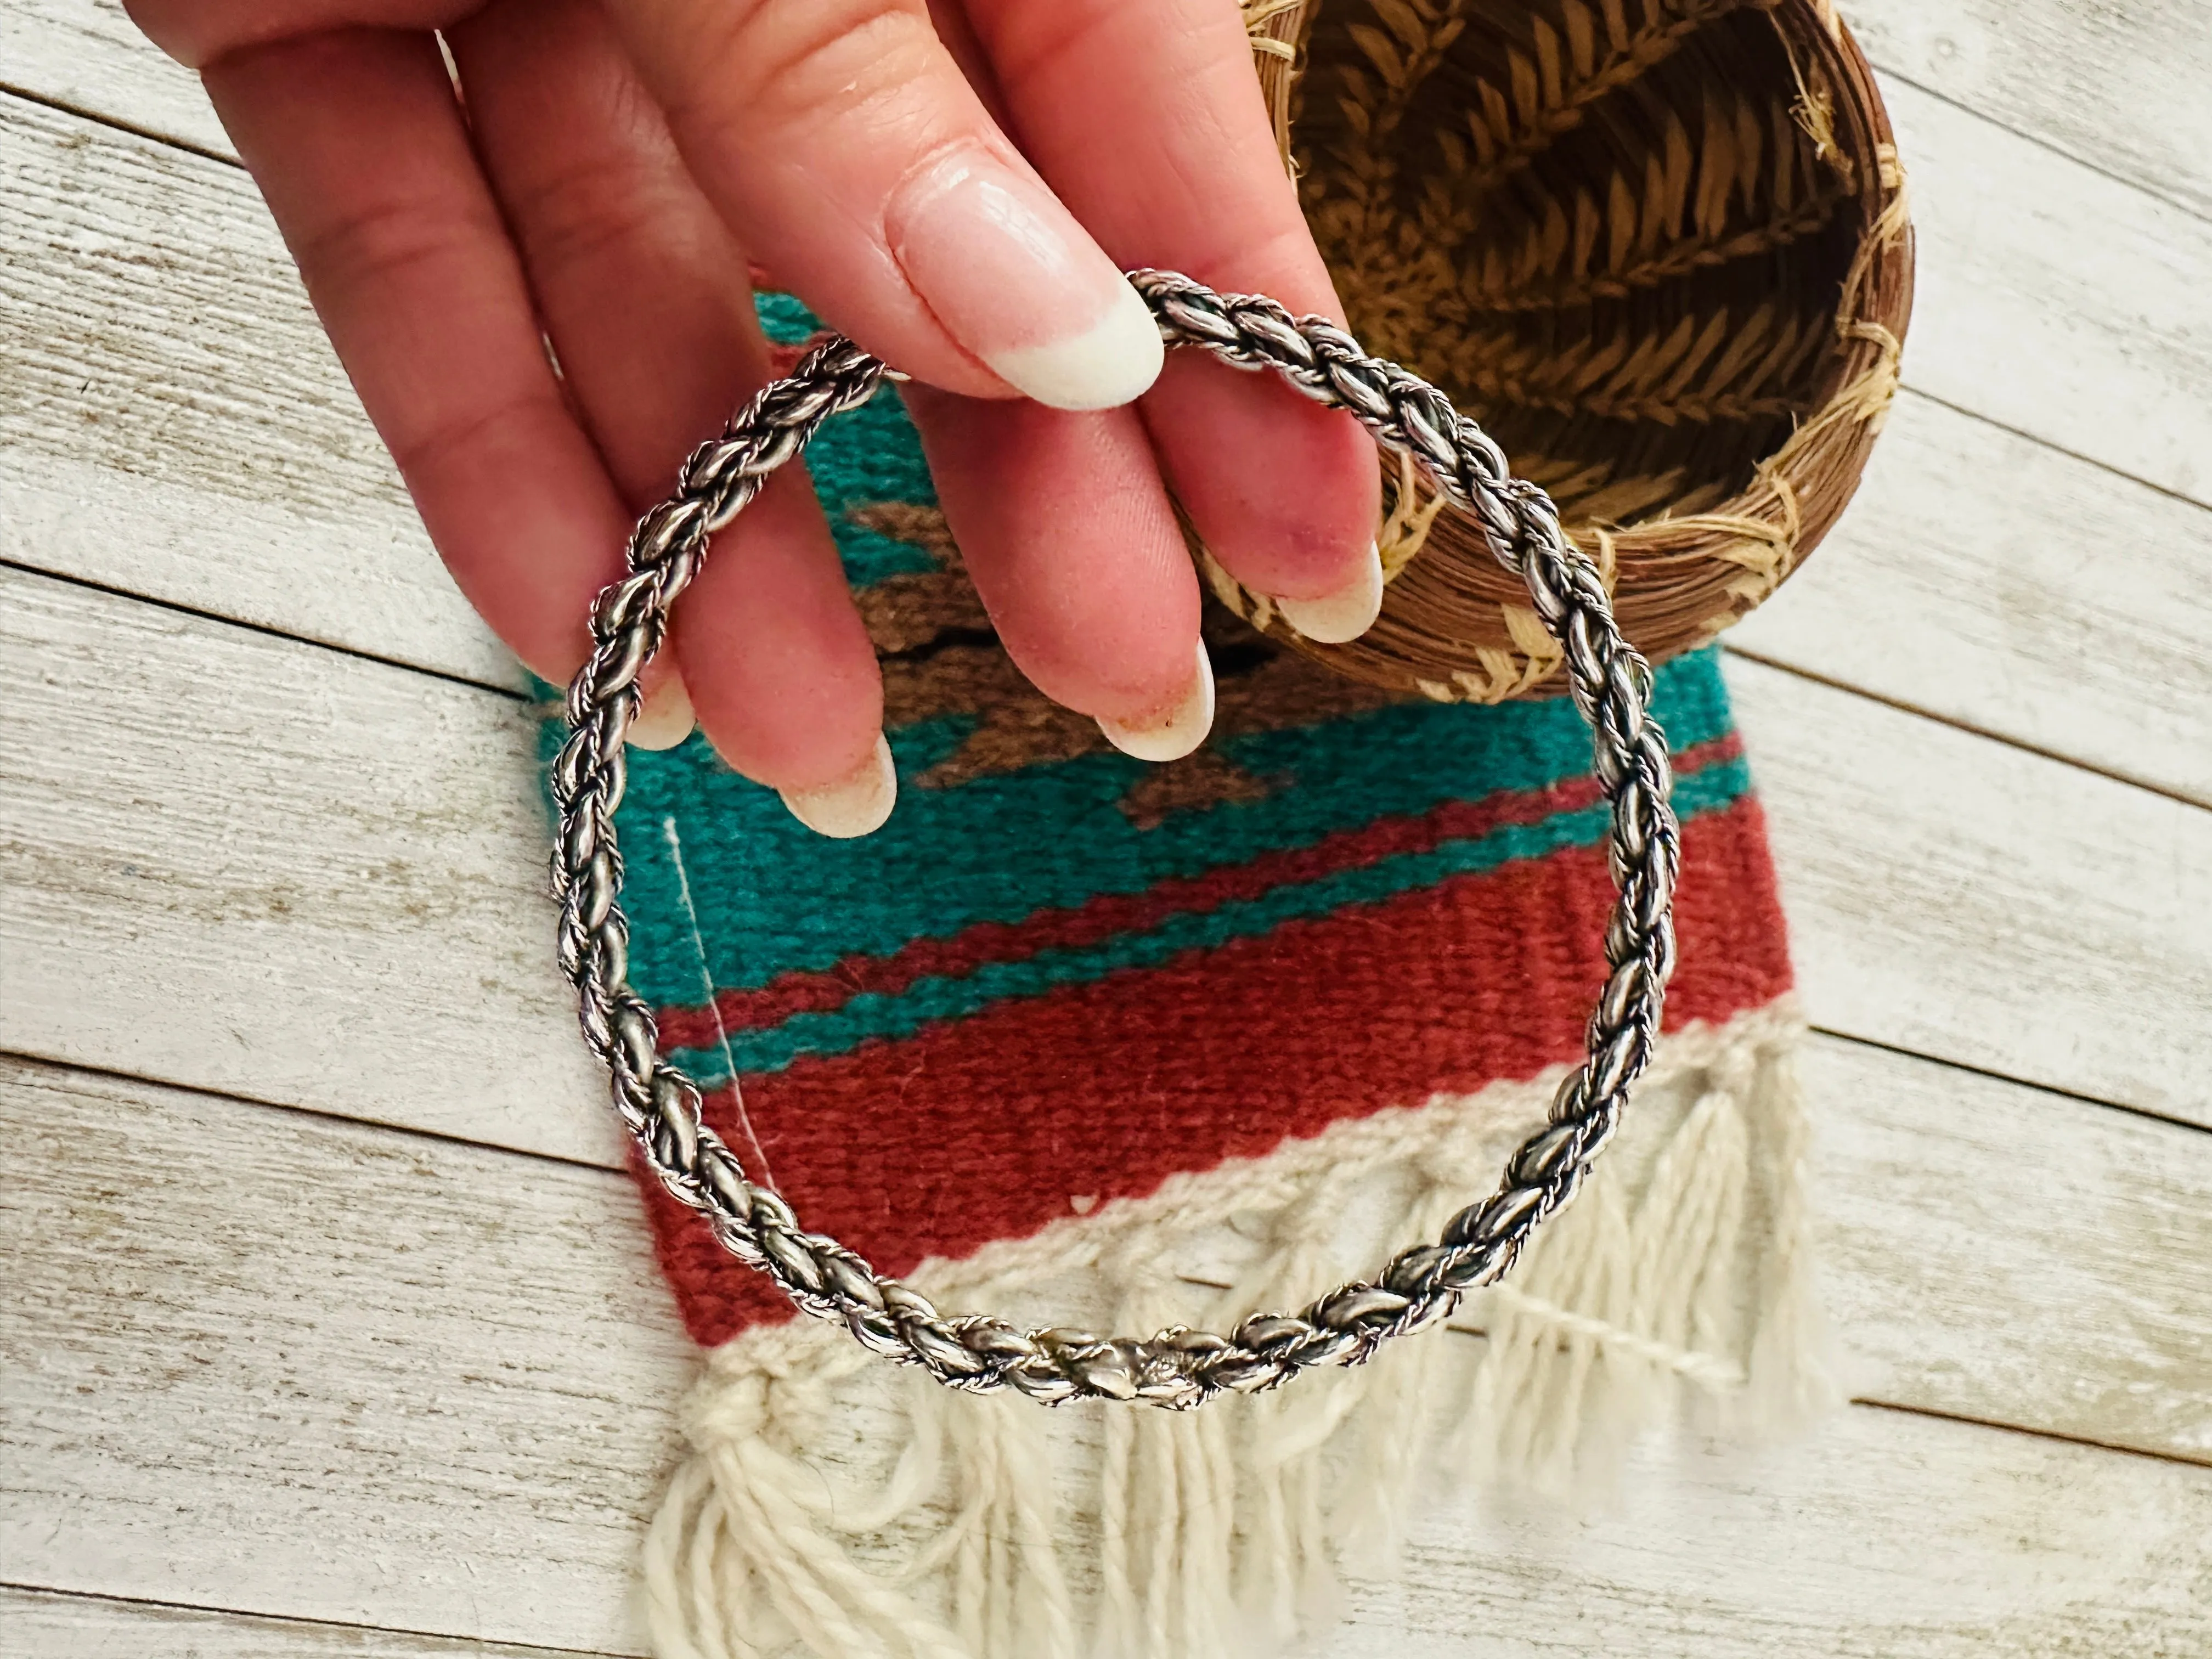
{"x":783,"y":672}
{"x":1074,"y":548}
{"x":1071,"y":541}
{"x":840,"y":141}
{"x":642,"y":291}
{"x":1285,"y":493}
{"x":356,"y":142}
{"x":645,"y":295}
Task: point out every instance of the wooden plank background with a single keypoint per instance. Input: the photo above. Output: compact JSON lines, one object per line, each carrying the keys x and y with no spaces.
{"x":329,"y":1327}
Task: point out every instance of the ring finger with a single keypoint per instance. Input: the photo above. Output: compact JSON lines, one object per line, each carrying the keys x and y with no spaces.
{"x":645,"y":297}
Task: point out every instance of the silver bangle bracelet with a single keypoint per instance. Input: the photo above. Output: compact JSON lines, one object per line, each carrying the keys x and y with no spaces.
{"x":1612,"y":687}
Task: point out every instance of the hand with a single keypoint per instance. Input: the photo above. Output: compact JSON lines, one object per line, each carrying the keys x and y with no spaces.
{"x":957,"y":188}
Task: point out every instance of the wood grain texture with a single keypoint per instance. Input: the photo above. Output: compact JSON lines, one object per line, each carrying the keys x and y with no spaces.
{"x":1958,"y":898}
{"x":1996,"y":582}
{"x":173,"y":421}
{"x":2117,"y":83}
{"x":284,"y":1364}
{"x":237,"y":862}
{"x":1878,"y":1541}
{"x":261,"y":1360}
{"x":41,"y":1624}
{"x":303,"y":1368}
{"x":89,"y":55}
{"x":2053,"y":300}
{"x":1985,"y":1244}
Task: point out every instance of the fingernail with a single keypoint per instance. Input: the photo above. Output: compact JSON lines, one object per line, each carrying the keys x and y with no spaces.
{"x":1114,"y":362}
{"x":855,"y":805}
{"x":1175,"y":733}
{"x":1344,"y":614}
{"x":1013,"y":277}
{"x":666,"y":718}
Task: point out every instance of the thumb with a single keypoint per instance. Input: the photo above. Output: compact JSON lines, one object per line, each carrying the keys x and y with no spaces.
{"x":843,"y":147}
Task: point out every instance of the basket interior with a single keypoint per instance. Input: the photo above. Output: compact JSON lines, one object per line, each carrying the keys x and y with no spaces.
{"x":1615,"y":231}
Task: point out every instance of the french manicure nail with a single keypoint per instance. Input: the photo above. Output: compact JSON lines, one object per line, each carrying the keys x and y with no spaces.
{"x":1175,"y":733}
{"x":1108,"y":364}
{"x":666,"y":718}
{"x":1013,"y":277}
{"x":1338,"y":617}
{"x":855,"y":805}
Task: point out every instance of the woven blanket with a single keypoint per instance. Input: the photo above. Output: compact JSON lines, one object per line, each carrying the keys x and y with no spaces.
{"x":1087,"y":1041}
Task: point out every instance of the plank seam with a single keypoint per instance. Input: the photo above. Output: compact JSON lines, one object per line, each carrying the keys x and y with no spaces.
{"x":319,"y":1113}
{"x":2054,"y":1090}
{"x":303,"y":1620}
{"x":1966,"y":728}
{"x":1889,"y":71}
{"x":2105,"y":467}
{"x":307,"y":1622}
{"x":178,"y":608}
{"x":2050,"y":147}
{"x":116,"y":123}
{"x":2179,"y":1458}
{"x":1475,"y":1332}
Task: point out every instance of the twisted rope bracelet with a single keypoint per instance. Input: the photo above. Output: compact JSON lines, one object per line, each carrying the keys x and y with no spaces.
{"x":1177,"y":1367}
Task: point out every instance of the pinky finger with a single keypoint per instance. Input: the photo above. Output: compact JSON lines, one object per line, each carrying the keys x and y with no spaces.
{"x":771,"y":648}
{"x":782,"y":669}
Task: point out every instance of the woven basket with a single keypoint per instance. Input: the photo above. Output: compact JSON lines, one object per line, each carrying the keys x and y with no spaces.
{"x":1659,"y":248}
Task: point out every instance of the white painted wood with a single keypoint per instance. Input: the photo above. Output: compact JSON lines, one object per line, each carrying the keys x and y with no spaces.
{"x":2169,"y":592}
{"x":264,"y":1361}
{"x":344,"y":1374}
{"x":1891,"y":1538}
{"x":234,"y":861}
{"x":1958,"y":898}
{"x":174,"y":423}
{"x":1996,"y":582}
{"x":2054,"y":300}
{"x":89,"y":55}
{"x":40,"y":1625}
{"x":284,"y":1364}
{"x":2119,"y":84}
{"x":1985,"y":1245}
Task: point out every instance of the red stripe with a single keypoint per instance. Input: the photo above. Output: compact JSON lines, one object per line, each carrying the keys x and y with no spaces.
{"x":985,"y":1127}
{"x":1102,"y":917}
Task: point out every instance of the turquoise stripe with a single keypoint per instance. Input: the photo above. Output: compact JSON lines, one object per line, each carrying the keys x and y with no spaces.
{"x":902,"y":1014}
{"x":784,"y":318}
{"x":774,"y":899}
{"x":863,"y":457}
{"x":866,"y":456}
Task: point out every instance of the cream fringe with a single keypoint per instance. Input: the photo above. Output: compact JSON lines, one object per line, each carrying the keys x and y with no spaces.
{"x":834,"y":1506}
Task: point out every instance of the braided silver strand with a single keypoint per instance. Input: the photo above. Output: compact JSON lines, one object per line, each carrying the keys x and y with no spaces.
{"x":1175,"y":1368}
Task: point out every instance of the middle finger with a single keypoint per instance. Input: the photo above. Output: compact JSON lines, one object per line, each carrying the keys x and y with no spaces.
{"x":1146,"y":117}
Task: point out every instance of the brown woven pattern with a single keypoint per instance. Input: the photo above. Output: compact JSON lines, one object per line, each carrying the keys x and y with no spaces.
{"x":1658,"y":247}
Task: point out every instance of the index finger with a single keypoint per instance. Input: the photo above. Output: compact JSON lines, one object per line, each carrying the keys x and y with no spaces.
{"x":840,"y":142}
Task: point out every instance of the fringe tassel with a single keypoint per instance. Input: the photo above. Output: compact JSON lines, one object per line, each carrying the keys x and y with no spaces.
{"x":833,"y":1507}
